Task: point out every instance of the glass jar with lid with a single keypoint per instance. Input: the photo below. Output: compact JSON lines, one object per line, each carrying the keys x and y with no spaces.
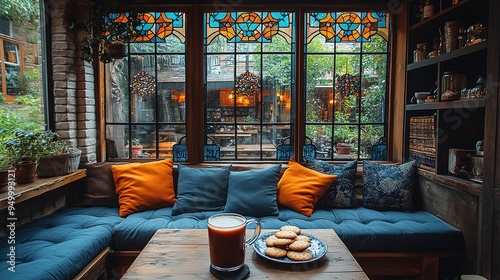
{"x":452,"y":84}
{"x":428,"y":10}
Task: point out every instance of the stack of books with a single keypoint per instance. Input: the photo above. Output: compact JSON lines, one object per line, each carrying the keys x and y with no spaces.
{"x":422,"y":141}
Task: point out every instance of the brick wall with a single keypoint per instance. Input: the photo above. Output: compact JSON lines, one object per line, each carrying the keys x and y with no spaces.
{"x":74,"y":94}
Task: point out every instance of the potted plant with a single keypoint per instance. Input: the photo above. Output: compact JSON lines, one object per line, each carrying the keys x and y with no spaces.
{"x":136,"y":148}
{"x":343,"y":139}
{"x":59,"y":158}
{"x":5,"y":165}
{"x":107,"y":30}
{"x":24,"y":148}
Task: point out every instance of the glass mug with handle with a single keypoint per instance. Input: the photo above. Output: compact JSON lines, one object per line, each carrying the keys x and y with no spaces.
{"x":226,"y":240}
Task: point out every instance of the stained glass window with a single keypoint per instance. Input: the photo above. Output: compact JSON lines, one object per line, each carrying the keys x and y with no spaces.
{"x":249,"y":64}
{"x":346,"y":57}
{"x":250,"y":27}
{"x":346,"y":26}
{"x":145,"y":91}
{"x":249,"y":80}
{"x":156,"y":26}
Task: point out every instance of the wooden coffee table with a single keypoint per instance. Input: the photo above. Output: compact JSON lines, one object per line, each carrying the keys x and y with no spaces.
{"x":183,"y":254}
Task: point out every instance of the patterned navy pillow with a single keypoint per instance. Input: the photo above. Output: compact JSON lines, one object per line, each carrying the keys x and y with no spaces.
{"x":341,"y":192}
{"x":389,"y":187}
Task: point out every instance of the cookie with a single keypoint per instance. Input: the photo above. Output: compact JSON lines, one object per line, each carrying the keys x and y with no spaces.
{"x":270,"y":240}
{"x":286,"y":234}
{"x":291,"y":228}
{"x":299,"y":256}
{"x":276,"y":252}
{"x":303,"y":238}
{"x":282,"y":242}
{"x":299,"y":246}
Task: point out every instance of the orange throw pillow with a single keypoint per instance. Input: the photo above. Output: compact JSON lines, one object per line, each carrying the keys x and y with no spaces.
{"x":144,"y":186}
{"x":300,"y":187}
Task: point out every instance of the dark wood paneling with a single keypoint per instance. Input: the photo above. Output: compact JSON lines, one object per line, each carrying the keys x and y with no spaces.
{"x":495,"y":256}
{"x":457,"y":208}
{"x":489,"y":250}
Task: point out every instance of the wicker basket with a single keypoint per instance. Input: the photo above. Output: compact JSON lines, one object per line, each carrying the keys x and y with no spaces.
{"x":50,"y":166}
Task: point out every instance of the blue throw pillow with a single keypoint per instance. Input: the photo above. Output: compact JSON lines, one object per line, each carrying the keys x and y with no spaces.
{"x":253,"y":192}
{"x":201,"y":189}
{"x":389,"y":187}
{"x":341,"y":192}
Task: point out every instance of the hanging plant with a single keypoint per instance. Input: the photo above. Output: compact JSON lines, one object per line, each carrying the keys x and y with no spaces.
{"x":107,"y":30}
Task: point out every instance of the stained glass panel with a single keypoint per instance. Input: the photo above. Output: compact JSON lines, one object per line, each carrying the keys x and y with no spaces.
{"x":156,"y":26}
{"x":346,"y":26}
{"x":249,"y":58}
{"x":239,"y":27}
{"x":346,"y":99}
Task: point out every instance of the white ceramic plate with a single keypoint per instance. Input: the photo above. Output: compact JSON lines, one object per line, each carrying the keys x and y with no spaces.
{"x":317,"y":248}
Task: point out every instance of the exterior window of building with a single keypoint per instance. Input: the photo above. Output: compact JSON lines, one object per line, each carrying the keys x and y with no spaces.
{"x":21,"y":68}
{"x":145,"y":92}
{"x":347,"y":56}
{"x":249,"y":82}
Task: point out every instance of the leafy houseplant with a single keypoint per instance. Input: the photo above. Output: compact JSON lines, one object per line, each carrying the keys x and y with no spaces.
{"x":5,"y":165}
{"x":24,"y":148}
{"x":106,"y":31}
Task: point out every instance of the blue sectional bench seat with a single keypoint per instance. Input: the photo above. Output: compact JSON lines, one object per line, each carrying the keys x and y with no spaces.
{"x":361,"y":229}
{"x":60,"y":245}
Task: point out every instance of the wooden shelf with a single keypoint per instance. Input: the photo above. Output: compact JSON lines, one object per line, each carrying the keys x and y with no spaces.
{"x":443,"y":105}
{"x":450,"y":11}
{"x":467,"y":186}
{"x":448,"y":56}
{"x":24,"y":192}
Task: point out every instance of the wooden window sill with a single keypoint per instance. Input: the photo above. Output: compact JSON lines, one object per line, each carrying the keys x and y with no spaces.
{"x":24,"y":192}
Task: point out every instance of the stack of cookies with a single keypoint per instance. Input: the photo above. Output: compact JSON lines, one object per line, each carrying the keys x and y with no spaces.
{"x":288,"y":242}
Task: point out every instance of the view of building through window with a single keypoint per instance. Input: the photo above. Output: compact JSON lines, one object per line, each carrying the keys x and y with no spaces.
{"x":249,"y":82}
{"x":145,"y":92}
{"x":249,"y":98}
{"x":347,"y":57}
{"x":21,"y":82}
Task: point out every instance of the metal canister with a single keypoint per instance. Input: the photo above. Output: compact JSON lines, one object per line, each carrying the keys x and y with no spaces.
{"x":451,"y":35}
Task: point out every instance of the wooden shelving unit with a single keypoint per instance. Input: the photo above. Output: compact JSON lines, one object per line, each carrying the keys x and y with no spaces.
{"x":458,"y":124}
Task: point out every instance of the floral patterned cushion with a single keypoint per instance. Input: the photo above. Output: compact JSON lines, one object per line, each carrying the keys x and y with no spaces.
{"x":341,"y":192}
{"x":389,"y":187}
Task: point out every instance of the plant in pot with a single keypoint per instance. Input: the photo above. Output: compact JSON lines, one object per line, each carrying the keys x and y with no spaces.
{"x":5,"y":166}
{"x":343,"y":137}
{"x":136,"y":148}
{"x":59,"y":158}
{"x":106,"y":30}
{"x":24,"y":148}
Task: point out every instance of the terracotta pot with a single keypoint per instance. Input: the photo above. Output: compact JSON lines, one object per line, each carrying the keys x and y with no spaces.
{"x":136,"y":151}
{"x":344,"y":149}
{"x":26,"y":172}
{"x":117,"y":50}
{"x":4,"y":179}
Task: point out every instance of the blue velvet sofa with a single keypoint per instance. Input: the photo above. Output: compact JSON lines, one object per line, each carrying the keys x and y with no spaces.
{"x":68,"y":244}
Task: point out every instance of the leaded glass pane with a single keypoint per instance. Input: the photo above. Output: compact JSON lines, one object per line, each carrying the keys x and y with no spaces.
{"x":346,"y":94}
{"x":249,"y":79}
{"x":145,"y":92}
